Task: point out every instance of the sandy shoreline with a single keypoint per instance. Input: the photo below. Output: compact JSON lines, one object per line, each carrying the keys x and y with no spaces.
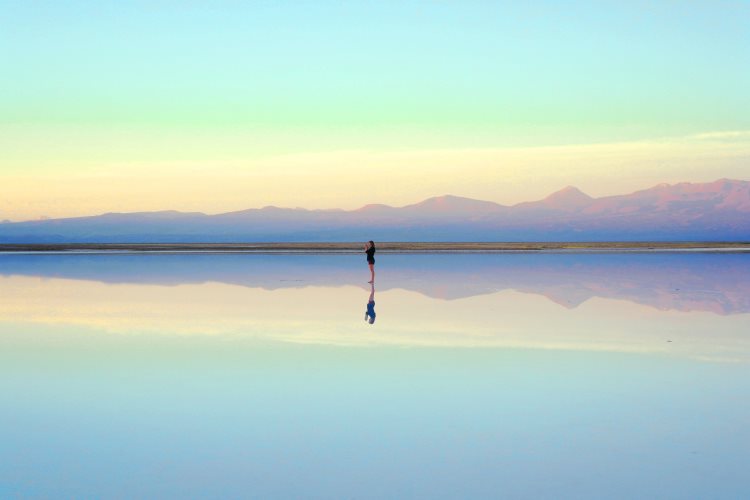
{"x":386,"y":247}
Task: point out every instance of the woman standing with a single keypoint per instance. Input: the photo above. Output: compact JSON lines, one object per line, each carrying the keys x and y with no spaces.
{"x":370,"y":251}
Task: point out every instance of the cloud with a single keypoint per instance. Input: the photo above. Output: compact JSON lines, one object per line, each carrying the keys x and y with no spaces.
{"x":724,"y":135}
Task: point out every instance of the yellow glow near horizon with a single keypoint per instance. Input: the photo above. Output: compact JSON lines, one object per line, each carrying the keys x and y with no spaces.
{"x":350,"y":179}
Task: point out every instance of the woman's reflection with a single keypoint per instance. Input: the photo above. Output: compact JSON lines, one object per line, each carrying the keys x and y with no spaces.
{"x":370,"y":313}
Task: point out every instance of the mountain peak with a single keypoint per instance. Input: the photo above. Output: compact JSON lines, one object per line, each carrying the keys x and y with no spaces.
{"x":568,"y":198}
{"x":569,"y":191}
{"x":449,"y":203}
{"x":374,"y":207}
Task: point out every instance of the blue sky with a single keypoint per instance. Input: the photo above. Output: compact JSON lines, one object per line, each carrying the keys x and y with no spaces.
{"x":96,"y":88}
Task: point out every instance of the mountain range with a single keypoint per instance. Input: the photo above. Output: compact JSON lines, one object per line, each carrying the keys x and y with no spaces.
{"x":716,"y":211}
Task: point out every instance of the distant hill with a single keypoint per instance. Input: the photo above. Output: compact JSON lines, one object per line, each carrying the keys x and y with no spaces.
{"x":716,"y":211}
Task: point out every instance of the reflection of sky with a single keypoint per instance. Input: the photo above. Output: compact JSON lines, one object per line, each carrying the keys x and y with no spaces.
{"x":657,"y":304}
{"x":143,"y":416}
{"x":221,"y":388}
{"x":686,"y":282}
{"x":330,"y":315}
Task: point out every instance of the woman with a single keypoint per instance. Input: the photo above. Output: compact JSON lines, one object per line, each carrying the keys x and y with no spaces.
{"x":370,"y":251}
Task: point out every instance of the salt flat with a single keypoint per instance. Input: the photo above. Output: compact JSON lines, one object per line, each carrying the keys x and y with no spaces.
{"x":605,"y":374}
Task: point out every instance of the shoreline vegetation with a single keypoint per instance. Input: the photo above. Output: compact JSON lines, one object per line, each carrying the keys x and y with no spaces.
{"x":385,"y":247}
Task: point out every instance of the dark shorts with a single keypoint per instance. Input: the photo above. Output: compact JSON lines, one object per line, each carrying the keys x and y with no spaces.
{"x":371,"y":262}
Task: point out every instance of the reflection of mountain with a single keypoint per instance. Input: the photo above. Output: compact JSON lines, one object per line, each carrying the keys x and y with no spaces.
{"x":698,"y":212}
{"x":683,"y":282}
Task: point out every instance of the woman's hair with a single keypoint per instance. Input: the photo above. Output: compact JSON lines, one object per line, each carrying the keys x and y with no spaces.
{"x":372,"y":243}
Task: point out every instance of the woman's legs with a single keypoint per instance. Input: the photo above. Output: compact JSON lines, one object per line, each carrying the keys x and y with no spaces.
{"x":372,"y":273}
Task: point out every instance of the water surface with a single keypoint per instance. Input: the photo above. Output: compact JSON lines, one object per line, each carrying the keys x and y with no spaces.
{"x":519,"y":376}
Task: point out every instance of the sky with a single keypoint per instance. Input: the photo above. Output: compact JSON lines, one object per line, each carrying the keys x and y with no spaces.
{"x":227,"y":105}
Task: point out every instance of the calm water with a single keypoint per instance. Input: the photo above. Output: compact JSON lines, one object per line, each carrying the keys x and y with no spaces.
{"x":515,"y":376}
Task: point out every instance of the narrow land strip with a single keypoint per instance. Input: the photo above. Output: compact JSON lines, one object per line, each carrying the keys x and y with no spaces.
{"x":385,"y":247}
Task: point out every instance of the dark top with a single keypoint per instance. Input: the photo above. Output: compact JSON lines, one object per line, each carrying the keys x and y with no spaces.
{"x":371,"y":255}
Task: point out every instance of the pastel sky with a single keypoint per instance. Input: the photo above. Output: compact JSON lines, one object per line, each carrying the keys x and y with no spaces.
{"x":227,"y":105}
